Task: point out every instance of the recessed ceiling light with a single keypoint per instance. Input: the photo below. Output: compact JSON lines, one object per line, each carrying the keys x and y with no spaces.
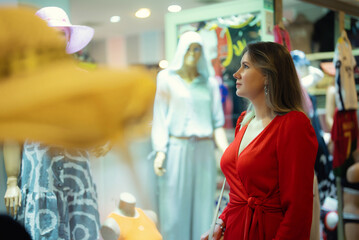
{"x":174,"y":8}
{"x":163,"y":64}
{"x":143,"y":13}
{"x":115,"y":19}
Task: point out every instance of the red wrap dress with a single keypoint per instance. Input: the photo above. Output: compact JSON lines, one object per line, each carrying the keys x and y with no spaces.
{"x":271,"y":181}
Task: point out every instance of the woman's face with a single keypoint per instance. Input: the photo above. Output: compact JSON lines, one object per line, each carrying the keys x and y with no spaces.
{"x":192,"y":56}
{"x":249,"y":80}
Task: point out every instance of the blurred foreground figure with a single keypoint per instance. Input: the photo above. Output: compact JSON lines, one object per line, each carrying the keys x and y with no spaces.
{"x":47,"y":98}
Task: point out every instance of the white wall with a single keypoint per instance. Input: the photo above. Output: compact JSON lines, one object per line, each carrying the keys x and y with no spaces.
{"x":144,"y":48}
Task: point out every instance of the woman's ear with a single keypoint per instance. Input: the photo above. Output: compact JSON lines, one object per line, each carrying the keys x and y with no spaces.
{"x":265,"y":80}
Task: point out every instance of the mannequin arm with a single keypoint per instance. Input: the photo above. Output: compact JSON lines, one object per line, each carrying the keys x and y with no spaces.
{"x":12,"y":161}
{"x":151,"y":215}
{"x":330,"y":106}
{"x":353,"y":170}
{"x":158,"y":163}
{"x":220,"y":139}
{"x":353,"y":173}
{"x":110,"y":230}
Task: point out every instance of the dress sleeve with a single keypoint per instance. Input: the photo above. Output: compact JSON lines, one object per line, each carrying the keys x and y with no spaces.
{"x":223,"y":215}
{"x":296,"y":153}
{"x":159,"y":132}
{"x":217,"y":109}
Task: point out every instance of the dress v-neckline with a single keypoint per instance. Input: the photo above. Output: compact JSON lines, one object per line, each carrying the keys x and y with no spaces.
{"x":243,"y":131}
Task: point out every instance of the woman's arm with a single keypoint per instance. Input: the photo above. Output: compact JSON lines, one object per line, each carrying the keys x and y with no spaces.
{"x":296,"y":152}
{"x":330,"y":106}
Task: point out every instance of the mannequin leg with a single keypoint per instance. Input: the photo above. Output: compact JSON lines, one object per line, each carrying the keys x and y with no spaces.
{"x":351,"y":205}
{"x":175,"y":192}
{"x":204,"y":192}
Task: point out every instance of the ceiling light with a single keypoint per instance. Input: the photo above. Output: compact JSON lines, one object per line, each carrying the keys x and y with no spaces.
{"x":143,"y":13}
{"x":115,"y":19}
{"x":163,"y":64}
{"x":174,"y":8}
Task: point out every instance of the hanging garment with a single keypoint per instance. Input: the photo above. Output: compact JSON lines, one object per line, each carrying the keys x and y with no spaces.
{"x":268,"y":177}
{"x":323,"y":164}
{"x":345,"y":90}
{"x":344,"y":135}
{"x":59,"y":199}
{"x":136,"y":228}
{"x":238,"y":36}
{"x":281,"y":36}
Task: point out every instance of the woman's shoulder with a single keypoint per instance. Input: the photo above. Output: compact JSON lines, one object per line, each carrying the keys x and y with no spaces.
{"x":163,"y":73}
{"x":295,"y":115}
{"x":165,"y":76}
{"x":294,"y":119}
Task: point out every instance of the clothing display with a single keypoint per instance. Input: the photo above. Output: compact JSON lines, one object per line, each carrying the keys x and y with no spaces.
{"x":136,"y":228}
{"x":271,"y":181}
{"x":323,"y":164}
{"x":183,"y":128}
{"x":59,"y":199}
{"x":281,"y":36}
{"x":185,"y":117}
{"x":344,"y":135}
{"x":237,"y":37}
{"x":344,"y":61}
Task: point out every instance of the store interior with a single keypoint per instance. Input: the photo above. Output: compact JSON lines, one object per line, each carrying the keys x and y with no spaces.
{"x":149,"y":43}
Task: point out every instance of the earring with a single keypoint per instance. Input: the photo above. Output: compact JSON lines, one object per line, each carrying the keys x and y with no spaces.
{"x":266,"y":91}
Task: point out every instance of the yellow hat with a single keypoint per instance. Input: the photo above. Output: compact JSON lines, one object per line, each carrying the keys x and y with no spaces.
{"x":45,"y":96}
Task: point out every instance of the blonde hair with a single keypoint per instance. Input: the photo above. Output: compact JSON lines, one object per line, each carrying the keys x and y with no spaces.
{"x":276,"y":64}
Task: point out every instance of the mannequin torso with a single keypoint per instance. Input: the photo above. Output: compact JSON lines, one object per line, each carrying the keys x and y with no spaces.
{"x":126,"y":212}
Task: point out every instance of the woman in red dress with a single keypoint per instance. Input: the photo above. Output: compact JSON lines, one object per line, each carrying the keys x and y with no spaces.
{"x":270,"y":164}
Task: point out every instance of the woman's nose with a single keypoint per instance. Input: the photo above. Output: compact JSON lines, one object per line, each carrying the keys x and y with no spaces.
{"x":237,"y":75}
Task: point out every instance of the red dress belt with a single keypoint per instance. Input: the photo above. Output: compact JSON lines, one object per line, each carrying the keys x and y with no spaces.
{"x":254,"y":212}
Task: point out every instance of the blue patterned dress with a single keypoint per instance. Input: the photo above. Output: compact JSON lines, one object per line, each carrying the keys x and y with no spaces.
{"x":59,"y":199}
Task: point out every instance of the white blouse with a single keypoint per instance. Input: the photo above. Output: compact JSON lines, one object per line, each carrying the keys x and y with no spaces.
{"x":184,"y":109}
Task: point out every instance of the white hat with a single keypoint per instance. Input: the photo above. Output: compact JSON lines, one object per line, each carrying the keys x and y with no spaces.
{"x":80,"y":36}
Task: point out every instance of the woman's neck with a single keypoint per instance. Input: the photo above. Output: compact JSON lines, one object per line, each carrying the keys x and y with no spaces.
{"x":261,"y":110}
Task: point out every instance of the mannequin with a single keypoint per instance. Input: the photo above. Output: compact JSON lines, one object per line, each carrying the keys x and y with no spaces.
{"x":57,"y":197}
{"x":12,"y":156}
{"x":342,"y":103}
{"x":111,"y":228}
{"x":188,"y":120}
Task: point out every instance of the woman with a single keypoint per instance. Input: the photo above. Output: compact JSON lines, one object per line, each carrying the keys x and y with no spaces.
{"x":270,"y":164}
{"x":187,"y":116}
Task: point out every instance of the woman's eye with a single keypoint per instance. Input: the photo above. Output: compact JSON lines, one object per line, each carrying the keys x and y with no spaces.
{"x":245,"y":66}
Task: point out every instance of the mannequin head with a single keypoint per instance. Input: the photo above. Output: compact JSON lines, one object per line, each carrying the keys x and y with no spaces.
{"x":190,"y":52}
{"x":301,"y":62}
{"x":77,"y":36}
{"x":192,"y":56}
